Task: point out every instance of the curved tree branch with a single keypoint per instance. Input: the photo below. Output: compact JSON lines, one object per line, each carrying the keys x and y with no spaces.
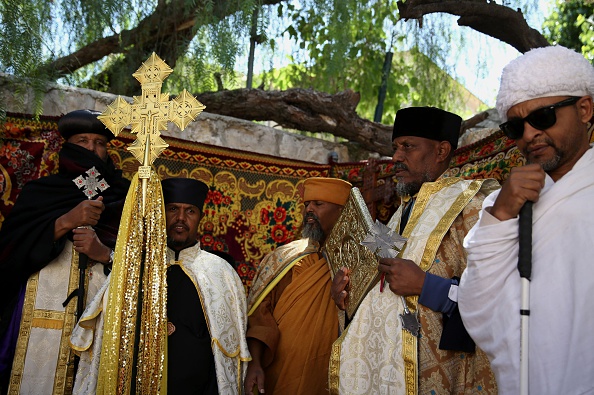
{"x":487,"y":17}
{"x":303,"y":109}
{"x":172,"y":23}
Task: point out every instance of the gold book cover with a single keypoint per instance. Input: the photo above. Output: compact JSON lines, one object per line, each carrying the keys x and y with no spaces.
{"x":343,"y":248}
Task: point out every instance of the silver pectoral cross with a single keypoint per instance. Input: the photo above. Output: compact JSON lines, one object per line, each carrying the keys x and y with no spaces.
{"x":91,"y":183}
{"x":410,"y":321}
{"x":383,"y":241}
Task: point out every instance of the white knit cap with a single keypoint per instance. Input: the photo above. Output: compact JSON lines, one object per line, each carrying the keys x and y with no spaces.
{"x":544,"y":72}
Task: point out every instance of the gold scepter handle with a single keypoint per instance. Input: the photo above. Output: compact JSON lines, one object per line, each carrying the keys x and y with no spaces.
{"x":144,"y":171}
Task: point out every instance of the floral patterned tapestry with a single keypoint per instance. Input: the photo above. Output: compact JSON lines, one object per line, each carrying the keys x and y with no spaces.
{"x":255,"y":201}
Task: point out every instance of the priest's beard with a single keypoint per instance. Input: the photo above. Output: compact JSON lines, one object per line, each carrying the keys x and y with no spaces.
{"x":312,"y":230}
{"x":178,"y":245}
{"x":412,"y":187}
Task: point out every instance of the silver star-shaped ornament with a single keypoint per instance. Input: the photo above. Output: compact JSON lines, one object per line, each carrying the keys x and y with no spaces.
{"x":383,"y":241}
{"x":91,"y":183}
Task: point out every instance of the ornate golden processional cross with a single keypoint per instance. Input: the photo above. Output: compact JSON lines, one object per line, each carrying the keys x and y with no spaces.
{"x":148,"y":115}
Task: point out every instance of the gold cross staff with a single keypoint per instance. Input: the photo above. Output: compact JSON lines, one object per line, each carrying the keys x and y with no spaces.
{"x":148,"y":115}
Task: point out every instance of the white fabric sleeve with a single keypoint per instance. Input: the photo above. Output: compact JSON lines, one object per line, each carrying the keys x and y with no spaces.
{"x":489,"y":294}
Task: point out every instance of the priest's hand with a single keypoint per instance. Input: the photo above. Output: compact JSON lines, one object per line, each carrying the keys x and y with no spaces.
{"x":86,"y":242}
{"x":339,"y":289}
{"x":86,"y":213}
{"x":523,"y":184}
{"x":403,"y":275}
{"x":254,"y":376}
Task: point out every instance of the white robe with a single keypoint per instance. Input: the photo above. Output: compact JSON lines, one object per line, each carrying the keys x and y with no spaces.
{"x":223,"y":297}
{"x":561,"y":321}
{"x":43,"y":360}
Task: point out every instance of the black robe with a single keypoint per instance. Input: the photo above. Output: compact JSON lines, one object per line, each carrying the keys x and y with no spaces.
{"x":191,"y":365}
{"x":27,"y":236}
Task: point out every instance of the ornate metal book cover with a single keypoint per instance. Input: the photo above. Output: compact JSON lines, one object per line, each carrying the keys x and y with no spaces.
{"x":343,"y":248}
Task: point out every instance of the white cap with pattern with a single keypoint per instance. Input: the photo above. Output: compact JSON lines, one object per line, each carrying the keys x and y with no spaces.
{"x":544,"y":72}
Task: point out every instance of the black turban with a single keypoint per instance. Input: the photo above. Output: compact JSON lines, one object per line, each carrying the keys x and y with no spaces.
{"x":184,"y":190}
{"x":82,"y":121}
{"x":428,"y":122}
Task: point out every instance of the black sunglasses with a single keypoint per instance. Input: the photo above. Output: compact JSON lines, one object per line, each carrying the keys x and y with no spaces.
{"x":540,"y":119}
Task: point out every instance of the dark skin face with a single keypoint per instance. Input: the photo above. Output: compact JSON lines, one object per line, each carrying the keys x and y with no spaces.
{"x":182,"y":222}
{"x":553,"y":151}
{"x":326,"y":212}
{"x":559,"y":147}
{"x":418,"y":160}
{"x":96,"y":143}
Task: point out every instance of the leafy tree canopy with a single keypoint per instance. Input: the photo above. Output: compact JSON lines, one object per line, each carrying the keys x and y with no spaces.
{"x":572,"y":25}
{"x":330,"y":45}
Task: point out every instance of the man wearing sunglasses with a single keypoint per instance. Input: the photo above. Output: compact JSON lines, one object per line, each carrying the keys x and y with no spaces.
{"x":545,"y":99}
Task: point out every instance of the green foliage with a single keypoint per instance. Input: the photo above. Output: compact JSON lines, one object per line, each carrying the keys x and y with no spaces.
{"x":342,"y":44}
{"x":22,"y":42}
{"x":571,"y":24}
{"x":335,"y":45}
{"x":214,"y":50}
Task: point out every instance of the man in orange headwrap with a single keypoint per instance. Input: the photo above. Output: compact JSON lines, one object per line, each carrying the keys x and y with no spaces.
{"x":292,"y":319}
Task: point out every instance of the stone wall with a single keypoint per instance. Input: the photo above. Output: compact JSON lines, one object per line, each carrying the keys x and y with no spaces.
{"x":208,"y":128}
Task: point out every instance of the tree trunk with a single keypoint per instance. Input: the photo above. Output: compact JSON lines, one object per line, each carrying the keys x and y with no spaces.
{"x":303,"y":109}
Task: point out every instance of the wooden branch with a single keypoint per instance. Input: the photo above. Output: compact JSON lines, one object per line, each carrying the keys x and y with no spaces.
{"x":172,"y":22}
{"x":487,"y":17}
{"x":473,"y":121}
{"x":303,"y":109}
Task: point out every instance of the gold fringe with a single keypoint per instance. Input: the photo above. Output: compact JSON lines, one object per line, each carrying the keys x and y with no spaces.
{"x":142,"y":242}
{"x":409,"y":342}
{"x":46,"y":323}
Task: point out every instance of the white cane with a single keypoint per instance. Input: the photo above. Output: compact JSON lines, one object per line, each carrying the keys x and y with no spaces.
{"x":525,"y":269}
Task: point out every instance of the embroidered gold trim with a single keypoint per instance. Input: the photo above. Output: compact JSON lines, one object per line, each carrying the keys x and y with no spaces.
{"x":47,"y":319}
{"x":409,"y":342}
{"x":18,"y":363}
{"x":334,"y":365}
{"x":64,"y":378}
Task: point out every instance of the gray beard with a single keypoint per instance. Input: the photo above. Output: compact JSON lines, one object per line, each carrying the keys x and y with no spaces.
{"x":550,"y":164}
{"x":312,"y":231}
{"x":407,"y":189}
{"x":411,"y":188}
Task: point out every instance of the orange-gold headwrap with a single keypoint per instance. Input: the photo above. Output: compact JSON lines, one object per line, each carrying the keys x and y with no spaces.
{"x":333,"y":190}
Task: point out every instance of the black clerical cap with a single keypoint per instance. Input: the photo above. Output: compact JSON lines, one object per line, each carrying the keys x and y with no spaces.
{"x":82,"y":121}
{"x":428,"y":122}
{"x":184,"y":190}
